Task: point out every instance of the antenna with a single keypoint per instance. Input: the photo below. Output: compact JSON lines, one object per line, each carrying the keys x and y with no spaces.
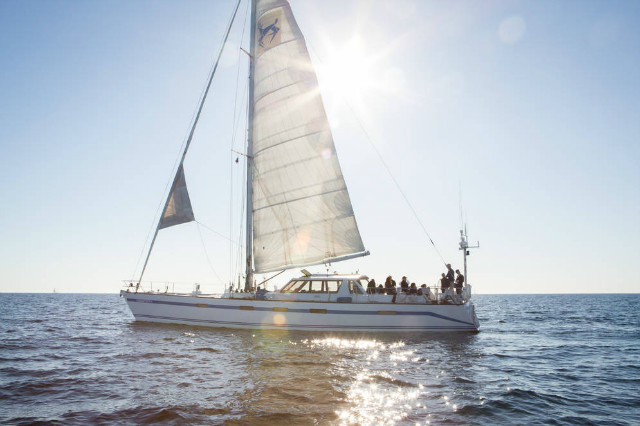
{"x":460,"y":201}
{"x":464,"y":244}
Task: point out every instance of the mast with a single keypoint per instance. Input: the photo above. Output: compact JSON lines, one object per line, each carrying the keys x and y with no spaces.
{"x":186,"y":148}
{"x":464,"y":246}
{"x":248,"y":284}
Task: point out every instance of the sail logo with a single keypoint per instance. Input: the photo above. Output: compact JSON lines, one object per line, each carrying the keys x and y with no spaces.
{"x":270,"y":34}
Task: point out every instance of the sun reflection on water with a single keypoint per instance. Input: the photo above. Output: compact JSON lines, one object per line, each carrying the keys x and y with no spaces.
{"x":336,"y":342}
{"x":388,"y":382}
{"x":374,"y":403}
{"x":375,"y":396}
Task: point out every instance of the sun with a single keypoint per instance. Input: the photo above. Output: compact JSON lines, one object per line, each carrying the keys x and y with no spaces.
{"x":349,"y":73}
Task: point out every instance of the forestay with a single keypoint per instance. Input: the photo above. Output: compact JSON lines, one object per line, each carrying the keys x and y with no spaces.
{"x":302,"y":213}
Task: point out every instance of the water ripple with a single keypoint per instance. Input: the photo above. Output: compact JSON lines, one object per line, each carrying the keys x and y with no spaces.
{"x":80,"y":359}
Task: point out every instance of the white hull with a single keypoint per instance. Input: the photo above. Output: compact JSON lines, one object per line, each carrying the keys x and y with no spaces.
{"x":327,"y":316}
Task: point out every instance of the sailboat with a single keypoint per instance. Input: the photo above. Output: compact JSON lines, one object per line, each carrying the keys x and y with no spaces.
{"x":298,"y":214}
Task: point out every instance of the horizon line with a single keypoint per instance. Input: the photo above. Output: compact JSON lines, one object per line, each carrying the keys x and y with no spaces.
{"x":476,"y":294}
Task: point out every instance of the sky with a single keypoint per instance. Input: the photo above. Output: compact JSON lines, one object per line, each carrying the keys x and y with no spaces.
{"x":522,"y":115}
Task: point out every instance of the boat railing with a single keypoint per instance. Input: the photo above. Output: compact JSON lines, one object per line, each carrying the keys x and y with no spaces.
{"x":167,"y":287}
{"x":432,"y":296}
{"x":451,"y":296}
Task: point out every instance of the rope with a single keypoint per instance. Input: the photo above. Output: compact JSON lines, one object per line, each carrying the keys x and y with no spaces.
{"x":193,"y":127}
{"x":204,"y":247}
{"x":173,"y":168}
{"x":270,"y":278}
{"x":233,"y":141}
{"x":384,"y":164}
{"x":215,"y":232}
{"x":398,"y":187}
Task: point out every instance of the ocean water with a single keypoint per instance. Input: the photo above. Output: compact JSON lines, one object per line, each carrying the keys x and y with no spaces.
{"x":538,"y":359}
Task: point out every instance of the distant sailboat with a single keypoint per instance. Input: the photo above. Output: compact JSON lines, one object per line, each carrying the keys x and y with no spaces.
{"x":299,"y":213}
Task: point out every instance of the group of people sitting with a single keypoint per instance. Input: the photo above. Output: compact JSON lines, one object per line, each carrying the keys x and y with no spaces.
{"x":447,"y":281}
{"x":390,"y":287}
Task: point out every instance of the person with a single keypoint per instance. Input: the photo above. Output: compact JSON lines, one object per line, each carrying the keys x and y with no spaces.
{"x":260,"y":292}
{"x":371,"y":288}
{"x":404,"y":285}
{"x":444,"y":283}
{"x":390,"y":285}
{"x":459,"y":282}
{"x":424,"y":290}
{"x":380,"y":289}
{"x":413,"y":289}
{"x":450,"y":275}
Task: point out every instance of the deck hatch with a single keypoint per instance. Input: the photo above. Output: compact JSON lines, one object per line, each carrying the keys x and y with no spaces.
{"x":318,"y":311}
{"x":202,"y":305}
{"x":277,"y":309}
{"x":387,"y":313}
{"x":246,"y":308}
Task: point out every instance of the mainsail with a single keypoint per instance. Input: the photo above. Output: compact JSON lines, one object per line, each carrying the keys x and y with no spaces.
{"x":302,"y":212}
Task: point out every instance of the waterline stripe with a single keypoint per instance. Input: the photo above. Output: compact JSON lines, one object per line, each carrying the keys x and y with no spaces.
{"x":141,"y":317}
{"x":296,"y":310}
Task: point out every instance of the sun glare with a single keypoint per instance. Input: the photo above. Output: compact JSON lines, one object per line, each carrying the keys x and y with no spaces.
{"x":350,"y":74}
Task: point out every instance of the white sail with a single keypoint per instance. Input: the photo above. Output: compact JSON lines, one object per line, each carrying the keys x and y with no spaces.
{"x":178,"y":209}
{"x":302,"y":213}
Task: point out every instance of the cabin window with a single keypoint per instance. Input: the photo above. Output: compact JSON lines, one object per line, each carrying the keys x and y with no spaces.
{"x":301,"y":287}
{"x":311,"y":286}
{"x":295,"y":287}
{"x":354,"y":288}
{"x":331,"y":286}
{"x":288,"y":287}
{"x":315,"y":287}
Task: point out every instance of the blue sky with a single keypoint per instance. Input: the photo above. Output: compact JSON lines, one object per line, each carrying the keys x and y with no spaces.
{"x":532,"y":108}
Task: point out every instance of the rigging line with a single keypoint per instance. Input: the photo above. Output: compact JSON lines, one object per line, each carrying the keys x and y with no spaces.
{"x":184,"y":141}
{"x":193,"y":128}
{"x":240,"y":116}
{"x":460,"y":202}
{"x":269,"y":279}
{"x":233,"y":135}
{"x":462,"y":213}
{"x":133,"y":275}
{"x":204,"y":247}
{"x":243,"y":204}
{"x":233,"y":139}
{"x":215,"y":232}
{"x":381,"y":158}
{"x":169,"y":182}
{"x":241,"y":178}
{"x":182,"y":145}
{"x":398,"y":187}
{"x":213,"y":72}
{"x":240,"y":184}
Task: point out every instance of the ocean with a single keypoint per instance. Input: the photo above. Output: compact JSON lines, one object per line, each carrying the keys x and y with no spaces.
{"x":538,"y":359}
